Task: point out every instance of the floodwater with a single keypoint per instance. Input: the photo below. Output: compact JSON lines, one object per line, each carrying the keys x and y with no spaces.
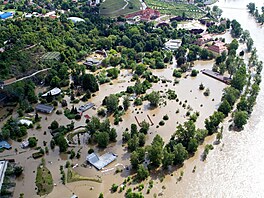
{"x":233,"y":169}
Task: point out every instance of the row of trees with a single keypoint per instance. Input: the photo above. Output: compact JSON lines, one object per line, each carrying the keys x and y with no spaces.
{"x":253,"y":10}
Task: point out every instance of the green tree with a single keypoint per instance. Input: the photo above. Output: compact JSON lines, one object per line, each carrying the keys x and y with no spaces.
{"x":102,"y":138}
{"x":54,"y":125}
{"x":225,"y":107}
{"x":112,"y":135}
{"x":240,"y":119}
{"x":167,"y":159}
{"x":126,"y":103}
{"x":144,"y":127}
{"x":55,"y":81}
{"x":142,"y":173}
{"x":90,"y":82}
{"x":133,"y":143}
{"x":214,"y":120}
{"x":154,"y":98}
{"x":32,"y":141}
{"x":141,"y":139}
{"x":62,"y":143}
{"x":112,"y":103}
{"x":180,"y":154}
{"x":155,"y":151}
{"x":18,"y":170}
{"x":239,"y":79}
{"x":250,"y":44}
{"x":192,"y":145}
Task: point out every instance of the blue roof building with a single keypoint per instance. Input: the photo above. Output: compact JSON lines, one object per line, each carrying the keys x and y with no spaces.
{"x":6,"y":15}
{"x":5,"y":145}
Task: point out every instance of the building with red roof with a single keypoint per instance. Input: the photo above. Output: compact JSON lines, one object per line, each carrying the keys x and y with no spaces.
{"x":144,"y":15}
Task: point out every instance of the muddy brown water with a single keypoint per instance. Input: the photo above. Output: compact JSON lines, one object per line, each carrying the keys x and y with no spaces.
{"x":232,"y":169}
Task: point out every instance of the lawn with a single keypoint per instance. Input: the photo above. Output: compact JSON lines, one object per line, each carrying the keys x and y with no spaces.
{"x":176,"y":9}
{"x":113,"y":8}
{"x":44,"y":180}
{"x":72,"y":176}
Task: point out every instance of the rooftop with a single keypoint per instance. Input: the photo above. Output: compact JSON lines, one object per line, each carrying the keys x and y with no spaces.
{"x":44,"y":108}
{"x":3,"y":166}
{"x":76,"y":19}
{"x":102,"y":161}
{"x":4,"y":144}
{"x":53,"y":92}
{"x":25,"y":122}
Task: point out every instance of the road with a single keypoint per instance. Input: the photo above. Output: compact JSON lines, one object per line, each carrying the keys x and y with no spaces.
{"x":29,"y":76}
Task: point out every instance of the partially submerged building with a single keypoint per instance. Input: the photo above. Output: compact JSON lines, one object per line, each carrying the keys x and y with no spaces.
{"x":24,"y":144}
{"x":54,"y":92}
{"x":25,"y":122}
{"x":100,"y":162}
{"x":218,"y":47}
{"x":85,"y":107}
{"x":44,"y":108}
{"x":204,"y":39}
{"x":173,"y":44}
{"x":3,"y":166}
{"x":5,"y":145}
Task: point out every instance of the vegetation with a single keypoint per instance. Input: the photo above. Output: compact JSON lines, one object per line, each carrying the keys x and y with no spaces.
{"x":44,"y":180}
{"x":72,"y":176}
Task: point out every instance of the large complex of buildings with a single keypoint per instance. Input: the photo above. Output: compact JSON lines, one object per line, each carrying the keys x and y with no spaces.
{"x":144,"y":15}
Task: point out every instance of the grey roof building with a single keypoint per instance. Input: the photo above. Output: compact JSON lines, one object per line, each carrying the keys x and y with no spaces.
{"x":44,"y":108}
{"x":102,"y":161}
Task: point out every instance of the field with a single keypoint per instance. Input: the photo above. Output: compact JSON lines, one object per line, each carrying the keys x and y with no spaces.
{"x":176,"y":9}
{"x":113,"y":8}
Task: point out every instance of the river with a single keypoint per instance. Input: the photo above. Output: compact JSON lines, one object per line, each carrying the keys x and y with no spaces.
{"x":235,"y":169}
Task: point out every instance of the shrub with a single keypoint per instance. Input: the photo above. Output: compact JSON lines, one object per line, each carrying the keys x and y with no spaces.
{"x":194,"y":73}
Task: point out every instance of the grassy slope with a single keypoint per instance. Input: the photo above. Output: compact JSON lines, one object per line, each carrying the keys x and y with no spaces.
{"x":175,"y":8}
{"x":72,"y":176}
{"x":44,"y":181}
{"x":112,"y":7}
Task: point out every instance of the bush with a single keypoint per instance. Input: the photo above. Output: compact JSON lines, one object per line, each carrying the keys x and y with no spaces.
{"x":161,"y":123}
{"x":138,"y":102}
{"x":201,"y":86}
{"x":166,"y":117}
{"x":207,"y":92}
{"x":194,"y":73}
{"x":114,"y":188}
{"x":177,"y":73}
{"x":77,"y":117}
{"x":90,"y":151}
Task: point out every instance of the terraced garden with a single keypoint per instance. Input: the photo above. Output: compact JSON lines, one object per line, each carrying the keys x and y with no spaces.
{"x":177,"y":9}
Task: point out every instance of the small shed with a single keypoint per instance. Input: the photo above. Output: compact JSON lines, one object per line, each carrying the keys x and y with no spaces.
{"x":44,"y":108}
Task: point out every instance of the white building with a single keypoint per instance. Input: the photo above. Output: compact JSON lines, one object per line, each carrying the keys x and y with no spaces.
{"x":25,"y":122}
{"x":3,"y":166}
{"x":173,"y":44}
{"x":53,"y":92}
